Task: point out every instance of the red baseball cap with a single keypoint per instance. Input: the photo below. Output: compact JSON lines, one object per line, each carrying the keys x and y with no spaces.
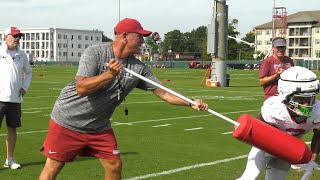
{"x":130,"y":25}
{"x":12,"y":31}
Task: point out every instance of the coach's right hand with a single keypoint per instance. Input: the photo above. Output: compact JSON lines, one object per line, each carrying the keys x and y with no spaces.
{"x":114,"y":67}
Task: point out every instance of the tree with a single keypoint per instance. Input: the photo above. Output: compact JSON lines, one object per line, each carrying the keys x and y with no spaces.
{"x":174,"y":41}
{"x":106,"y":39}
{"x":248,"y":51}
{"x":233,"y":46}
{"x":154,"y":46}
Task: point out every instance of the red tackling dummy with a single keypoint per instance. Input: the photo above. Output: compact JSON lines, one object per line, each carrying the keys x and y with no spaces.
{"x":272,"y":140}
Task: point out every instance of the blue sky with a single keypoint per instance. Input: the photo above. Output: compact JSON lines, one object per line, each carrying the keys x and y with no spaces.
{"x":155,"y":15}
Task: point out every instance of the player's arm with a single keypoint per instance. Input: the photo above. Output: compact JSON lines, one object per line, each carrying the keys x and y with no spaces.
{"x":177,"y":101}
{"x":88,"y":85}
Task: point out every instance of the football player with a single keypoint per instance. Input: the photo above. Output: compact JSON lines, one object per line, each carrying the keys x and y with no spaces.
{"x":295,"y":111}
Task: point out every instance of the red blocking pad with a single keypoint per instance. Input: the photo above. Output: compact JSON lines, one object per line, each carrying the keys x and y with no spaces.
{"x":272,"y":140}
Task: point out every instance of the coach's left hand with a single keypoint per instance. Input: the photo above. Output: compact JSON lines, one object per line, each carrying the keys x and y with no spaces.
{"x":201,"y":106}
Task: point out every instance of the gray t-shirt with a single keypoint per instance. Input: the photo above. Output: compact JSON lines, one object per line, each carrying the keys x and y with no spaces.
{"x":91,"y":113}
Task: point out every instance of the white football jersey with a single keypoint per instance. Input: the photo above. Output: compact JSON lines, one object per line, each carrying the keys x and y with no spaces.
{"x":275,"y":113}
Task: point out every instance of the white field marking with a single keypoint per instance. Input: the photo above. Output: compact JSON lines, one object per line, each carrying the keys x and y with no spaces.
{"x":40,"y":82}
{"x":198,"y":90}
{"x":172,"y":171}
{"x":227,"y":132}
{"x":37,"y":108}
{"x":28,"y":132}
{"x":186,"y":117}
{"x":119,"y":123}
{"x":34,"y":97}
{"x":163,"y":125}
{"x":145,"y":102}
{"x":131,"y":123}
{"x":193,"y":129}
{"x":186,"y":168}
{"x":32,"y":112}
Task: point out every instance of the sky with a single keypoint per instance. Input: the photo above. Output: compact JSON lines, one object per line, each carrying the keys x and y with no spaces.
{"x":155,"y":15}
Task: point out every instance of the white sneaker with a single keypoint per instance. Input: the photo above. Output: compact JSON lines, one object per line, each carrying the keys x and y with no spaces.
{"x":11,"y":164}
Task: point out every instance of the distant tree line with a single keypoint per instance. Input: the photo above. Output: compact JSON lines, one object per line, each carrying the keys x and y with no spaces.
{"x":196,"y":42}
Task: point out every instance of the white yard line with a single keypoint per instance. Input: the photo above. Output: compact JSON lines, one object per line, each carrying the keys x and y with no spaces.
{"x":185,"y":117}
{"x":37,"y":108}
{"x":193,"y":129}
{"x":32,"y":112}
{"x":28,"y":132}
{"x":186,"y":168}
{"x":227,"y":132}
{"x":162,"y":125}
{"x":172,"y":171}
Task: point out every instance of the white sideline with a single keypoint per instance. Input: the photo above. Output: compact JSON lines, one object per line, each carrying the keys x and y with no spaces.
{"x":186,"y":168}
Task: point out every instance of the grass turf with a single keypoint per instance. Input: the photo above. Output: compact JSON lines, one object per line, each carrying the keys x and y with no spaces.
{"x":155,"y":139}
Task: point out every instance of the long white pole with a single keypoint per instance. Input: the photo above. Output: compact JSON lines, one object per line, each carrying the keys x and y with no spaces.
{"x":180,"y":96}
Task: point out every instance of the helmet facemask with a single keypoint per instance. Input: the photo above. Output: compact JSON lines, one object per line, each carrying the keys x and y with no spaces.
{"x":302,"y":103}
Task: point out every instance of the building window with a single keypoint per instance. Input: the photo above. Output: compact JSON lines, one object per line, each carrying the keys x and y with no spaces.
{"x":318,"y":30}
{"x":65,"y":36}
{"x":259,"y":32}
{"x":259,"y":42}
{"x":86,"y":46}
{"x":79,"y":54}
{"x":267,"y":32}
{"x":317,"y":53}
{"x":86,"y":38}
{"x":79,"y":46}
{"x":98,"y":38}
{"x":79,"y":37}
{"x":59,"y":36}
{"x":317,"y":41}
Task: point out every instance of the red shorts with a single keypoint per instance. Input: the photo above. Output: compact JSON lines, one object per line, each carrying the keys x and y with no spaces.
{"x":64,"y":145}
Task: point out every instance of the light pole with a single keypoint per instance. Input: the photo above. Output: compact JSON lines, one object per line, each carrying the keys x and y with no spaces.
{"x":119,"y":10}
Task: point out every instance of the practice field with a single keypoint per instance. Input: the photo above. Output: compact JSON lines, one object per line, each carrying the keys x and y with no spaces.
{"x":156,"y":140}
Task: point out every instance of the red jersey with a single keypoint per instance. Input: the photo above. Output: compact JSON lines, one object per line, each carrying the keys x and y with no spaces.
{"x":269,"y":67}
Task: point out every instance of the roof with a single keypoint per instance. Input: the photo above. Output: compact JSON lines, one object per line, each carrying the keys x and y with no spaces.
{"x":312,"y":17}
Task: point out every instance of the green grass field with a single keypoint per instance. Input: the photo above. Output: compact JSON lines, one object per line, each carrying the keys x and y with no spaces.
{"x":156,"y":140}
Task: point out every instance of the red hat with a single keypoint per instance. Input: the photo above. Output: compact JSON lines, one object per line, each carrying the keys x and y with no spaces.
{"x":130,"y":25}
{"x":12,"y":31}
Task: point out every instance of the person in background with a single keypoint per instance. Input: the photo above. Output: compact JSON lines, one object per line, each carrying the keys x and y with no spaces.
{"x":13,"y":63}
{"x":273,"y":66}
{"x":80,"y":119}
